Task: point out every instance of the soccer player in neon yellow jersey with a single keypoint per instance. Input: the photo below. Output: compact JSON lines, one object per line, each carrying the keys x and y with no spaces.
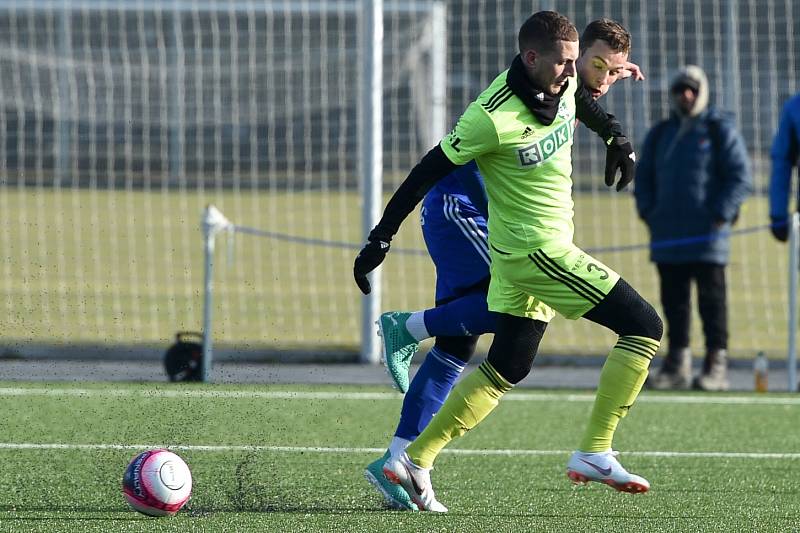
{"x":453,"y":221}
{"x":519,"y":131}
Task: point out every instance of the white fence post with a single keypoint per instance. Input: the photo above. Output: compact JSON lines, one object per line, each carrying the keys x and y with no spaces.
{"x":371,"y":160}
{"x":213,"y":222}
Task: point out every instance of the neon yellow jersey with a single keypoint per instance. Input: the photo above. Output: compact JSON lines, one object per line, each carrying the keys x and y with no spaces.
{"x":527,"y":166}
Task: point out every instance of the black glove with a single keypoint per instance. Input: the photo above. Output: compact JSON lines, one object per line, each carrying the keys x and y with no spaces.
{"x":619,"y":155}
{"x":368,"y":260}
{"x":780,"y":229}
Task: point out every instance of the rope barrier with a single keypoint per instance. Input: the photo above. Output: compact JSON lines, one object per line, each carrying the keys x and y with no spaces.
{"x":657,"y":245}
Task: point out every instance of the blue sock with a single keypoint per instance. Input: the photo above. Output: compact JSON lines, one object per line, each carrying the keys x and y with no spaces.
{"x":427,"y":392}
{"x":468,"y":315}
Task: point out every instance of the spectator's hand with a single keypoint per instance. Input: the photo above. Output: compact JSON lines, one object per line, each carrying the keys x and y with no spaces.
{"x":368,"y":259}
{"x":619,"y":155}
{"x":632,"y":70}
{"x":780,"y":229}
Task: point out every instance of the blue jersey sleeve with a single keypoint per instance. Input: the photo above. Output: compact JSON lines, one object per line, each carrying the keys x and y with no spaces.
{"x":784,"y":156}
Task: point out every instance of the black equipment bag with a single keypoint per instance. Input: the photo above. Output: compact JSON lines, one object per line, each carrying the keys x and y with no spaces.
{"x":183,"y":361}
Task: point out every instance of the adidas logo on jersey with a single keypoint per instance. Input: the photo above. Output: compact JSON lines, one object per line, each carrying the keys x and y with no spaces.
{"x":527,"y":133}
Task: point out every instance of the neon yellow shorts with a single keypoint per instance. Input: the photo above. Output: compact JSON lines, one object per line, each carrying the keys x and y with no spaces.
{"x":556,"y":277}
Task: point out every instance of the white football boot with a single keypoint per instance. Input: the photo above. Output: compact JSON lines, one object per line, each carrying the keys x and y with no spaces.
{"x":603,"y":467}
{"x":415,"y":480}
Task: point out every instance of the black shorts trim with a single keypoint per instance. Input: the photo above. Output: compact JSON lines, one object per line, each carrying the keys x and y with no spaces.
{"x":559,"y":276}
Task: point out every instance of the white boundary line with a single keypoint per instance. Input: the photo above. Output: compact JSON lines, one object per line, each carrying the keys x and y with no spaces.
{"x":303,"y":395}
{"x":318,"y":449}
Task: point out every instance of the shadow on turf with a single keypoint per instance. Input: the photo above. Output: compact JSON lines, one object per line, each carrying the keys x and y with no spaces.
{"x":292,"y":509}
{"x":256,"y":490}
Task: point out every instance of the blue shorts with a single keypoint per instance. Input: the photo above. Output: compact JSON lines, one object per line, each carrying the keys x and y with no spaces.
{"x":456,"y":236}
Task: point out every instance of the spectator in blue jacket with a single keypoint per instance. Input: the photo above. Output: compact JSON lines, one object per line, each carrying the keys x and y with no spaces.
{"x":693,"y":175}
{"x":785,"y":155}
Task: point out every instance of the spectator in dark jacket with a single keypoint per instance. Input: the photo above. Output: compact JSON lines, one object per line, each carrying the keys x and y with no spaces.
{"x":692,"y":176}
{"x":785,"y":156}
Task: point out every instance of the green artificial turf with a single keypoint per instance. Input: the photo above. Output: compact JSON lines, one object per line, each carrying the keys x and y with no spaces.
{"x":268,"y":458}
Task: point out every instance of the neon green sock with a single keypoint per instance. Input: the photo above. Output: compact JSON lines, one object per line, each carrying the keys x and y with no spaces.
{"x":621,"y":379}
{"x":474,"y":397}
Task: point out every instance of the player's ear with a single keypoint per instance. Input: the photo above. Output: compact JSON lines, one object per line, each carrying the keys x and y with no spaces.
{"x":529,"y":58}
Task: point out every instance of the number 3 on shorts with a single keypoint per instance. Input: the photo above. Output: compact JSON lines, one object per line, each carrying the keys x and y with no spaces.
{"x":594,"y":266}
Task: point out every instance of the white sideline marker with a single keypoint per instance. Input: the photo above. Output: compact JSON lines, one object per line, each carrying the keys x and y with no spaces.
{"x":318,"y":449}
{"x":393,"y":396}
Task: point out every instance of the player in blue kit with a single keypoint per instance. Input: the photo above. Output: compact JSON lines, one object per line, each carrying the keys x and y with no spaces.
{"x":454,"y":224}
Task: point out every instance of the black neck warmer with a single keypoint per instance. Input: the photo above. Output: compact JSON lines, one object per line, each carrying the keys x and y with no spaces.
{"x":543,"y":105}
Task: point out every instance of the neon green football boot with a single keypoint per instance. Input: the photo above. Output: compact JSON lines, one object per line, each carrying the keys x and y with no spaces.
{"x":398,"y":347}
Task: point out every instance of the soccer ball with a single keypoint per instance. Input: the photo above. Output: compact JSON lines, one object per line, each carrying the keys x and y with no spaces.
{"x":157,"y":483}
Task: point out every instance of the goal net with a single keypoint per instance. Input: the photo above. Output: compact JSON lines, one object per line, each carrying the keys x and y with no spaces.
{"x":120,"y":121}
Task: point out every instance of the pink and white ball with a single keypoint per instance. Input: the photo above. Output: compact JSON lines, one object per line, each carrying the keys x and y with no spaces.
{"x":157,"y":483}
